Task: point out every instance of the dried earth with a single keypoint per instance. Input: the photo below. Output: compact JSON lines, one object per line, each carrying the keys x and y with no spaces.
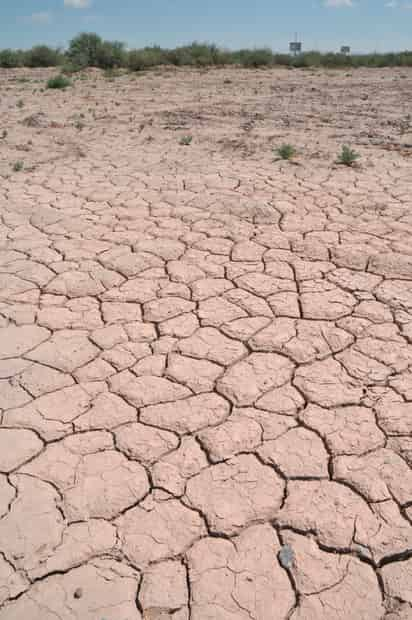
{"x":206,"y":354}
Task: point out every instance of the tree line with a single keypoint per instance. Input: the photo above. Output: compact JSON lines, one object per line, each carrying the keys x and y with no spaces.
{"x":90,"y":50}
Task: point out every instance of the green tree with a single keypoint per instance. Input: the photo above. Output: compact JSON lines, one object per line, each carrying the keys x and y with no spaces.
{"x":111,"y":54}
{"x":43,"y":56}
{"x":84,"y":49}
{"x":11,"y":58}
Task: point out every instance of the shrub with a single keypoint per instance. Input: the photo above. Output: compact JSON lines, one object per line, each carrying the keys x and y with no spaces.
{"x":84,"y":49}
{"x":348,"y":156}
{"x":43,"y":56}
{"x":255,"y":58}
{"x":69,"y":68}
{"x":111,"y":54}
{"x":89,"y":50}
{"x":198,"y":55}
{"x":282,"y":59}
{"x":58,"y":81}
{"x":148,"y":57}
{"x":308,"y":59}
{"x":9,"y":59}
{"x":18,"y":166}
{"x":286,"y":151}
{"x":186,"y":140}
{"x":179,"y":57}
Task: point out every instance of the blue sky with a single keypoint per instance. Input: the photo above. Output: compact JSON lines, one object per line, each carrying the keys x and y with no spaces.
{"x":322,"y":24}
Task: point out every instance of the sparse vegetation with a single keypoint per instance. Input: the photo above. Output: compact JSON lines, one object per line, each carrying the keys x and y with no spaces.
{"x":253,"y":59}
{"x":58,"y":81}
{"x":69,"y":68}
{"x":43,"y":56}
{"x":88,"y":49}
{"x":196,"y":54}
{"x":347,"y":157}
{"x":139,"y":60}
{"x":9,"y":59}
{"x":186,"y":140}
{"x":285,"y":151}
{"x":18,"y":166}
{"x":4,"y":134}
{"x":20,"y":103}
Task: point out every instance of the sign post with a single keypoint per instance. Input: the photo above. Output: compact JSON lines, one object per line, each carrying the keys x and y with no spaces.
{"x":295,"y":47}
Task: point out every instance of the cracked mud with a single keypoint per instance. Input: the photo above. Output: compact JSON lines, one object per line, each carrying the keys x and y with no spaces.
{"x":205,"y":354}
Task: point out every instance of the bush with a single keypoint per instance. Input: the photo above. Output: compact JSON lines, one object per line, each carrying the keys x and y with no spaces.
{"x":253,"y":59}
{"x":348,"y":156}
{"x":199,"y":55}
{"x":282,"y":59}
{"x":9,"y":59}
{"x":186,"y":140}
{"x":68,"y":68}
{"x":89,"y":50}
{"x":84,"y":49}
{"x":43,"y":56}
{"x":179,"y":57}
{"x":139,"y":60}
{"x":286,"y":151}
{"x":111,"y":55}
{"x":18,"y":166}
{"x":58,"y":81}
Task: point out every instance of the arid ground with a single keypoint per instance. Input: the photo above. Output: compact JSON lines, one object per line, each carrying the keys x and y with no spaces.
{"x":205,"y":352}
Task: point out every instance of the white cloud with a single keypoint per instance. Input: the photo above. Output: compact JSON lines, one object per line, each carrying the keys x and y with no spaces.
{"x":78,"y":4}
{"x":392,"y":4}
{"x":42,"y":17}
{"x":337,"y":4}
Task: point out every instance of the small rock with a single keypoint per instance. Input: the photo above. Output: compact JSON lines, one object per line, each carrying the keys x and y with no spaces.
{"x":286,"y":556}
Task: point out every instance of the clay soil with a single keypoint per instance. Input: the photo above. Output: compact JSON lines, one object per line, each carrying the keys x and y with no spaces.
{"x":205,"y":352}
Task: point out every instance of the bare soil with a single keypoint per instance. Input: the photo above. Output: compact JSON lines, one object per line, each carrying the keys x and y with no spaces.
{"x":205,"y":351}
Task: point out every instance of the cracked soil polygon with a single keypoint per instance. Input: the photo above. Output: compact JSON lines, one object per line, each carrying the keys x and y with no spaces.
{"x":205,"y":354}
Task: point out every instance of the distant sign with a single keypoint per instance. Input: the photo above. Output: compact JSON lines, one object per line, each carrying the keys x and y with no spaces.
{"x":295,"y":47}
{"x":345,"y":49}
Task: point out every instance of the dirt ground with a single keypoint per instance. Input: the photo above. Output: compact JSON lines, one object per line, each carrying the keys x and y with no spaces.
{"x":206,"y":353}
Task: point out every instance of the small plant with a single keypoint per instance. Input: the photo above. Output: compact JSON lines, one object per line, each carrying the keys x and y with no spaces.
{"x":348,"y":156}
{"x":186,"y":140}
{"x":58,"y":81}
{"x":20,"y":103}
{"x":4,"y":134}
{"x":286,"y":151}
{"x":69,"y":68}
{"x":18,"y":166}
